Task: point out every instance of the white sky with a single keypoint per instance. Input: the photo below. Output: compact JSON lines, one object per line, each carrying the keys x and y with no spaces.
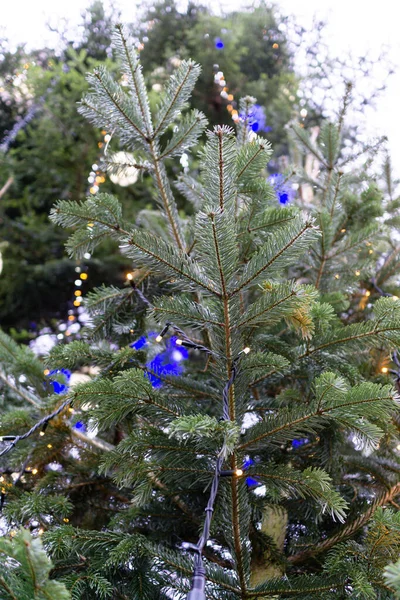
{"x":355,"y":25}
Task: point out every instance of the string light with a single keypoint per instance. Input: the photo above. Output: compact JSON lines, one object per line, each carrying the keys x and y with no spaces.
{"x":199,"y":575}
{"x":384,"y":370}
{"x":14,"y":439}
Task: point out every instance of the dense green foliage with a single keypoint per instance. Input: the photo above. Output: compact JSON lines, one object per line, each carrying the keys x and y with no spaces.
{"x":310,"y":405}
{"x":52,"y":154}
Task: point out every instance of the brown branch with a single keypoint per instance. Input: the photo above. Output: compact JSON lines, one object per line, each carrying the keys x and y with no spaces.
{"x":5,"y":187}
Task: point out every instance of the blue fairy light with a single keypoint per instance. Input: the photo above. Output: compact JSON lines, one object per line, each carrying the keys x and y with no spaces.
{"x":167,"y":363}
{"x":249,"y":462}
{"x":140,"y":343}
{"x":219,"y":44}
{"x":58,"y":386}
{"x":80,"y":426}
{"x":299,"y":443}
{"x":256,"y":119}
{"x":252,"y":482}
{"x":284,"y":192}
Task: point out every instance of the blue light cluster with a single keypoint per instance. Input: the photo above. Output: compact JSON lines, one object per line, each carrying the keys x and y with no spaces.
{"x":250,"y":481}
{"x":256,"y":119}
{"x":80,"y":426}
{"x":219,"y":44}
{"x":58,"y":387}
{"x":299,"y":443}
{"x":284,"y":192}
{"x":166,"y":363}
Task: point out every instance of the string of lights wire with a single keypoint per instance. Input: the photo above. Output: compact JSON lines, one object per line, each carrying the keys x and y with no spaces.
{"x":14,"y":439}
{"x":197,"y":591}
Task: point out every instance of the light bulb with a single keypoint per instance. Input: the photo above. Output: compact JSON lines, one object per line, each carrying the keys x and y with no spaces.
{"x":41,"y":433}
{"x":367,"y":293}
{"x":384,"y":370}
{"x":179,"y":342}
{"x":129,"y":276}
{"x":159,"y":338}
{"x":239,"y":472}
{"x":246,"y":350}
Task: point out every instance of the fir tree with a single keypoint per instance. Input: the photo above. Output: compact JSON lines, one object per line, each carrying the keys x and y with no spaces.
{"x":299,"y":434}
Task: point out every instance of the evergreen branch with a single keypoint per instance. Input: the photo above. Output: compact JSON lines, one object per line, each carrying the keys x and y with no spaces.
{"x":295,"y":238}
{"x":168,"y":203}
{"x":298,"y":586}
{"x":347,"y":530}
{"x":105,"y":211}
{"x":5,"y":586}
{"x":260,"y":311}
{"x":185,"y":311}
{"x":349,"y":338}
{"x":186,"y":135}
{"x":373,"y":397}
{"x":177,"y":93}
{"x":136,"y":77}
{"x":273,"y":217}
{"x":100,"y":75}
{"x":162,"y":258}
{"x":104,"y":304}
{"x":219,"y":169}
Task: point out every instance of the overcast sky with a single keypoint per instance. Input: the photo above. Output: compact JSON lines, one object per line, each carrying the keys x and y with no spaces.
{"x":356,"y":25}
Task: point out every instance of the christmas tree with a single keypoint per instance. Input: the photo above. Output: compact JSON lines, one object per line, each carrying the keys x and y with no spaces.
{"x":235,"y":435}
